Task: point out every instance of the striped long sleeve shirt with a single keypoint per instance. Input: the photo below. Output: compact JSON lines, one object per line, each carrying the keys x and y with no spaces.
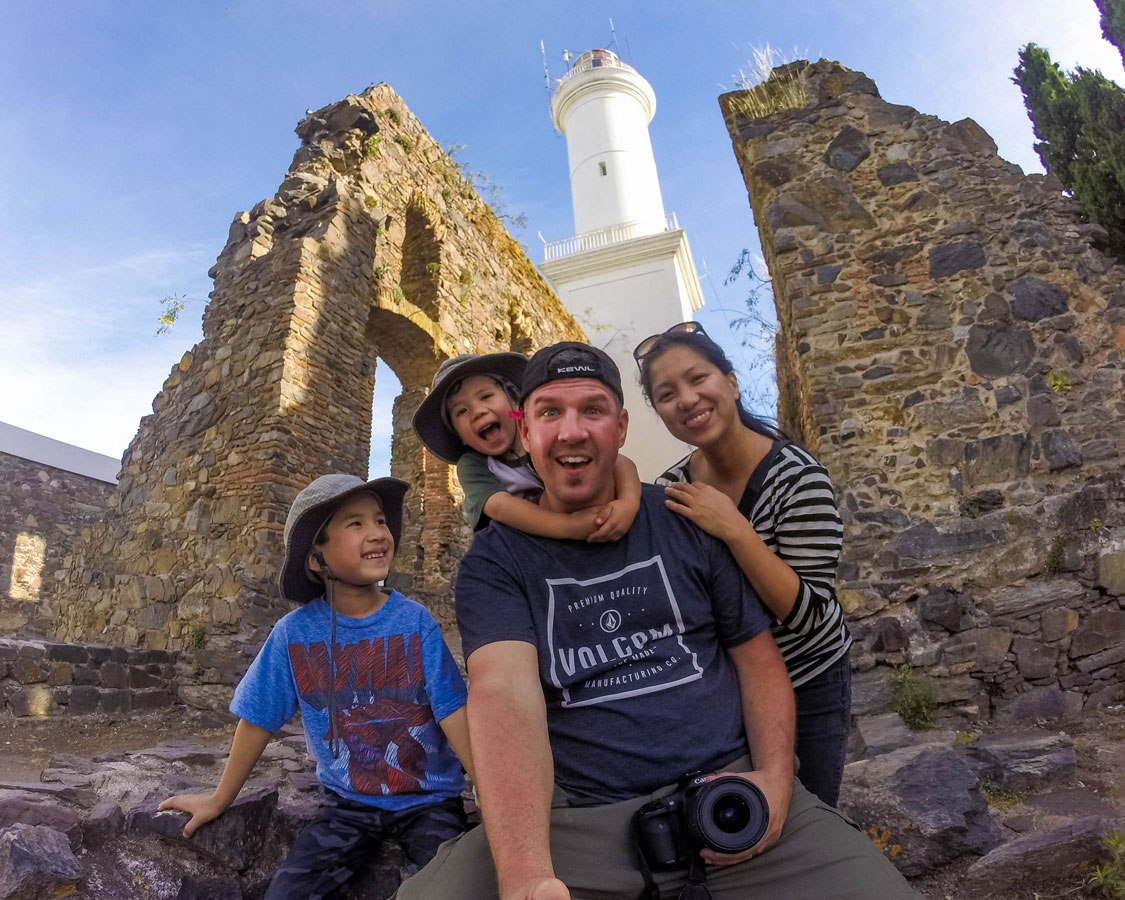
{"x":790,"y":503}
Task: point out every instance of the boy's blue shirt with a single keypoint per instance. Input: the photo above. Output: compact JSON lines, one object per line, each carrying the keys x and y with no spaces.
{"x":395,"y":679}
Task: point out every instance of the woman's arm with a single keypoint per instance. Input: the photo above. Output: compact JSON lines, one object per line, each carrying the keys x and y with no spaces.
{"x":795,"y":583}
{"x":713,"y":511}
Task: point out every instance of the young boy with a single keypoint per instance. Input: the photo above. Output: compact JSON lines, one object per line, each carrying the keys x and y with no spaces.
{"x":469,"y":419}
{"x":381,"y":699}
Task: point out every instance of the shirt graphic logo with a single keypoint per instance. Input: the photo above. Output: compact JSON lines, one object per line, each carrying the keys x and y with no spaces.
{"x":610,"y":621}
{"x":636,"y":646}
{"x":382,"y":711}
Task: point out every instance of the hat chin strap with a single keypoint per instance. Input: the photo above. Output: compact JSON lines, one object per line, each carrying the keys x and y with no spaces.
{"x":330,"y":580}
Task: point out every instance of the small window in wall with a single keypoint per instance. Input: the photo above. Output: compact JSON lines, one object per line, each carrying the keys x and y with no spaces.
{"x":601,"y":168}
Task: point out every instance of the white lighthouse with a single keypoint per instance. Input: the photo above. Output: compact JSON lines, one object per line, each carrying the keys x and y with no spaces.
{"x":627,"y":272}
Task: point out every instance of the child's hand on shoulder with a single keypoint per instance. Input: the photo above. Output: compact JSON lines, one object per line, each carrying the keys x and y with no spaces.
{"x":612,"y":521}
{"x":203,"y":808}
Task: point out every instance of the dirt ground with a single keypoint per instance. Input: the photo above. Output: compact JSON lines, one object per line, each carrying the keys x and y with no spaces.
{"x":27,"y":744}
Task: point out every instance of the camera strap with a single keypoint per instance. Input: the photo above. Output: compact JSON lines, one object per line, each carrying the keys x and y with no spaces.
{"x":696,"y":887}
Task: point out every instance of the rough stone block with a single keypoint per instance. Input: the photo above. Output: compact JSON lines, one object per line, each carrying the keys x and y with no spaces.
{"x":958,"y":256}
{"x":1103,"y":628}
{"x":1058,"y":623}
{"x":1111,"y":572}
{"x":84,"y":700}
{"x":1034,"y":660}
{"x":36,"y":861}
{"x":105,"y":822}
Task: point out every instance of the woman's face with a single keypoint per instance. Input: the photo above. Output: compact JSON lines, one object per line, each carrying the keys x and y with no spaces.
{"x":696,"y":401}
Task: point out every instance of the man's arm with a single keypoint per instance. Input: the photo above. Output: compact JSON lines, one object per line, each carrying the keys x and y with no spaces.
{"x":515,"y":772}
{"x":769,"y":713}
{"x":248,"y":744}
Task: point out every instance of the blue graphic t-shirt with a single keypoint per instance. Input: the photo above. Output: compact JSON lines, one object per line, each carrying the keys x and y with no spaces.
{"x":394,"y":681}
{"x":630,"y":637}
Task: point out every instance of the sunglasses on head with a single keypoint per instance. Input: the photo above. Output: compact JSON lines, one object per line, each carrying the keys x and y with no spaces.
{"x":645,"y":347}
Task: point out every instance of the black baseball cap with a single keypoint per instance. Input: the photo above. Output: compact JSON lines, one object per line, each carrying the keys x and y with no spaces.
{"x":570,"y":359}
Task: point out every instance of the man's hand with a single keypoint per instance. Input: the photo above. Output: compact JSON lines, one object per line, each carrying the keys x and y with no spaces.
{"x":612,"y":521}
{"x":778,"y":790}
{"x":203,"y":808}
{"x":539,"y":889}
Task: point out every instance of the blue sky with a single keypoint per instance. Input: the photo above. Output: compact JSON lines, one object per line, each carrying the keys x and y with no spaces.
{"x":134,"y":132}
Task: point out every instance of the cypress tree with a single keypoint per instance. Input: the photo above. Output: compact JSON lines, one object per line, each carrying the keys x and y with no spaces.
{"x":1113,"y":23}
{"x":1079,"y":119}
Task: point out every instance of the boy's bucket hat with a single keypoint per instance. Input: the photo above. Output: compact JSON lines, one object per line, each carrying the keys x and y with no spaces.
{"x":311,"y":509}
{"x":570,"y":359}
{"x":431,"y":423}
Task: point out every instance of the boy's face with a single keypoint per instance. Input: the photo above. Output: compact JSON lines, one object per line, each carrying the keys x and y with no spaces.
{"x":358,"y":546}
{"x":478,"y":411}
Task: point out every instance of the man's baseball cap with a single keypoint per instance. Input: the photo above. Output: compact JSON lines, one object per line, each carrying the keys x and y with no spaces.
{"x":431,"y":421}
{"x":570,"y":359}
{"x":310,"y":512}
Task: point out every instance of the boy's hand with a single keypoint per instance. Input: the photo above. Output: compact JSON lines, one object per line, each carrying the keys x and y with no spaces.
{"x":612,"y":521}
{"x":203,"y":808}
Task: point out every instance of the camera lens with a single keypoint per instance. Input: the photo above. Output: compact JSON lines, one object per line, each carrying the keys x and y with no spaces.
{"x":727,"y":814}
{"x":731,"y":813}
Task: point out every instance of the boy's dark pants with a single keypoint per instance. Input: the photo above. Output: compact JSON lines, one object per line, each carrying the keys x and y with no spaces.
{"x":344,"y":836}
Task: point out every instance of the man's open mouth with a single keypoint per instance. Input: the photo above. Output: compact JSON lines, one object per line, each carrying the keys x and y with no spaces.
{"x":572,"y":462}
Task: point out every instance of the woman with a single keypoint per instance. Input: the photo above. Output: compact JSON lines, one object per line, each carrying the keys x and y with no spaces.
{"x":774,"y":506}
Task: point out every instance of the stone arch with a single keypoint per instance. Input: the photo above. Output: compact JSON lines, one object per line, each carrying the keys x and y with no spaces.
{"x":374,"y":251}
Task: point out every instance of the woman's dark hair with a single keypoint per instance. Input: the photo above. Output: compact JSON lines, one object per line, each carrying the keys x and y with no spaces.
{"x":713,"y":353}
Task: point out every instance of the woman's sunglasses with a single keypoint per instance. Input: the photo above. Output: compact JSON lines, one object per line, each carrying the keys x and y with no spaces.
{"x":645,"y":347}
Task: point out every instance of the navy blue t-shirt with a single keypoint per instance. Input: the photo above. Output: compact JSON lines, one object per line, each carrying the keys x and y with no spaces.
{"x":630,"y":636}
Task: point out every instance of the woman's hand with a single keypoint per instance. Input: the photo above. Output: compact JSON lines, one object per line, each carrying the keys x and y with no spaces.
{"x":707,"y":507}
{"x":778,"y":790}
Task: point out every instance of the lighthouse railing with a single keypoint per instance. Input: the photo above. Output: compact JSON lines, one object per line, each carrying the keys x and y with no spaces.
{"x":602,"y":237}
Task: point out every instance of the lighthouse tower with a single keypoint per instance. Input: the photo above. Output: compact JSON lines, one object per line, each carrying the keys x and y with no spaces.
{"x":627,"y":272}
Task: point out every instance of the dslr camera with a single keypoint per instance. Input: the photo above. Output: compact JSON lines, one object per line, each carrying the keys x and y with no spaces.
{"x":727,"y":814}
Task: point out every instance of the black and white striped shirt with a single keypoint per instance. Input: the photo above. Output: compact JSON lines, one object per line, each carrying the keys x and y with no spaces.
{"x":790,"y":503}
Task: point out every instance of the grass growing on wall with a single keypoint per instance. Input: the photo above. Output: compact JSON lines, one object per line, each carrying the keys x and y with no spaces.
{"x":768,"y":90}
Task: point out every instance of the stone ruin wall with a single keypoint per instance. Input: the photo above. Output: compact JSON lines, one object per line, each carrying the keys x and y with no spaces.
{"x":374,"y":250}
{"x":951,"y":346}
{"x":42,"y":511}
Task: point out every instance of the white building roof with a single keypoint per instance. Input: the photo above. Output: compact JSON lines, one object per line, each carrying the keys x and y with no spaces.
{"x":49,"y":452}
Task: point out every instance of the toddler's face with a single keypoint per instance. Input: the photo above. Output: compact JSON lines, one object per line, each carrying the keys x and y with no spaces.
{"x":478,"y":410}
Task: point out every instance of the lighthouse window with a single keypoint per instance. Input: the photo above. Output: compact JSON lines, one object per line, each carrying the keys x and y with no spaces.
{"x":601,"y":167}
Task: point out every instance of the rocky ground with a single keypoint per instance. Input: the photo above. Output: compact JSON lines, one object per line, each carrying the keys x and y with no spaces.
{"x":1013,"y":813}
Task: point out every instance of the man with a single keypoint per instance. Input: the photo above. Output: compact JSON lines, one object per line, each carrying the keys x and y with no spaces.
{"x":601,"y":674}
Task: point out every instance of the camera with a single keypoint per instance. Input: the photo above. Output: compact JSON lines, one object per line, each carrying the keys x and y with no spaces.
{"x":727,"y":814}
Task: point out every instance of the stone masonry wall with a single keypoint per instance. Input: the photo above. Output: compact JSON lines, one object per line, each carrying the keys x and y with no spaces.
{"x":951,"y":346}
{"x":374,"y":251}
{"x":43,"y":678}
{"x":42,"y":512}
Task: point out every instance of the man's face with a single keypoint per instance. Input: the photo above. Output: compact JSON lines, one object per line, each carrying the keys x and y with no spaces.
{"x":573,"y":429}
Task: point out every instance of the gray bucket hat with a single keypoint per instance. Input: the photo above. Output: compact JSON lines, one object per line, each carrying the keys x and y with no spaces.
{"x":311,"y":509}
{"x":431,"y":423}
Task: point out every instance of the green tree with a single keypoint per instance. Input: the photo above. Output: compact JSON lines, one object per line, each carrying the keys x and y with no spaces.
{"x":1113,"y":23}
{"x":1079,"y":119}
